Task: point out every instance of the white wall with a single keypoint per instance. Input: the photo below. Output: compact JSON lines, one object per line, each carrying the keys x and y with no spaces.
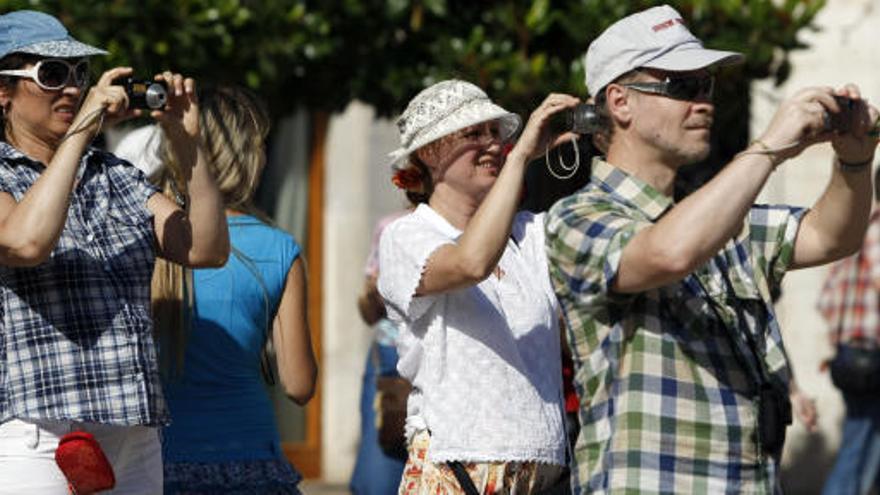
{"x":357,"y":193}
{"x":844,"y":50}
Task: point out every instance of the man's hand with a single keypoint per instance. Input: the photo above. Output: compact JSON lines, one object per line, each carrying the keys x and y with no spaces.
{"x":857,"y":145}
{"x":799,"y":122}
{"x":804,"y":409}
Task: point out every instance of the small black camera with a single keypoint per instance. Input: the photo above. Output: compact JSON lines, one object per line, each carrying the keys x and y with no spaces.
{"x":143,"y":93}
{"x":841,"y":122}
{"x":581,"y":119}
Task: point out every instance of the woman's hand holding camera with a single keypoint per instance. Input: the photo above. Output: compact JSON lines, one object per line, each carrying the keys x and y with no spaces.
{"x":105,"y":103}
{"x":181,"y":112}
{"x":537,"y":136}
{"x":180,"y":117}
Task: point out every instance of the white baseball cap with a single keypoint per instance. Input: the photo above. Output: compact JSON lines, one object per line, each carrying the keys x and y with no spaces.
{"x":655,"y":38}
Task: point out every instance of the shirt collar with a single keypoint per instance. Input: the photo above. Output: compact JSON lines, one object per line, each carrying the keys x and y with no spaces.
{"x":630,"y":189}
{"x":428,"y":214}
{"x":9,"y":152}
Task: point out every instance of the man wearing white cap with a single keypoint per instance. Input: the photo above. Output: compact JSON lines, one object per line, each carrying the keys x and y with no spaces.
{"x":681,"y":371}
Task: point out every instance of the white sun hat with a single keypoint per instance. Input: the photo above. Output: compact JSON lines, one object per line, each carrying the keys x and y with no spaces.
{"x":655,"y":38}
{"x":444,"y":108}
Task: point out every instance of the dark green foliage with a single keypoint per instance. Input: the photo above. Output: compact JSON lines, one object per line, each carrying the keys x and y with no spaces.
{"x":321,"y":54}
{"x":324,"y":53}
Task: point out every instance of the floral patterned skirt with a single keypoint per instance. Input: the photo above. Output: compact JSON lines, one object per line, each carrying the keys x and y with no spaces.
{"x":421,"y":477}
{"x":273,"y":476}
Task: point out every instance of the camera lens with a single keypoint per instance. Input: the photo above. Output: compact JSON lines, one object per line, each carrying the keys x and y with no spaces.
{"x":581,"y":119}
{"x":156,"y":96}
{"x":584,"y":119}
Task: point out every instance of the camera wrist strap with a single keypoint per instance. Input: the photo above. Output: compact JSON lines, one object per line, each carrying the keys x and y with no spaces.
{"x":568,"y":170}
{"x":755,"y":367}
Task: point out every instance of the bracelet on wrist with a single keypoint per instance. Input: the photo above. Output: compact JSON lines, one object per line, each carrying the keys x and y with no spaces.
{"x":874,"y":131}
{"x":854,"y":167}
{"x":766,"y":150}
{"x":763,"y":150}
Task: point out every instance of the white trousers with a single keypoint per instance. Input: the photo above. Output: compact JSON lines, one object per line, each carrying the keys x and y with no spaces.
{"x":27,"y":457}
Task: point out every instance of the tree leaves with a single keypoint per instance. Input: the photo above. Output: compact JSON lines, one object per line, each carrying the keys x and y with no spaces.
{"x":321,"y":54}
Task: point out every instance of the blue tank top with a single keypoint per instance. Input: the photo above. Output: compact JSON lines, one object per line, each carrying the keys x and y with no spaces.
{"x":220,"y":408}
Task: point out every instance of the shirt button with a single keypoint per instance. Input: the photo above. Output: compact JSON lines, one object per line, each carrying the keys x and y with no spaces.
{"x":90,"y":237}
{"x":107,"y":267}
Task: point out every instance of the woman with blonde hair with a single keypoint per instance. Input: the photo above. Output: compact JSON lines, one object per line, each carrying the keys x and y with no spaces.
{"x":214,"y":324}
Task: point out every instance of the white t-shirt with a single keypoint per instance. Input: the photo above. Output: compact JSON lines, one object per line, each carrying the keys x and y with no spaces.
{"x":484,"y":361}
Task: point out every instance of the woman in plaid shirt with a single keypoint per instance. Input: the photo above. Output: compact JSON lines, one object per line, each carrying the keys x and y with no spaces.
{"x":79,"y":232}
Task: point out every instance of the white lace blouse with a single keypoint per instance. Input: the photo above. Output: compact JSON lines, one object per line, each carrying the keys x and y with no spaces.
{"x":484,"y":360}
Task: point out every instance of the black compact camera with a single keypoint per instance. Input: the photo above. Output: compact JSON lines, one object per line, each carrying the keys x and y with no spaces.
{"x":143,"y":93}
{"x":841,"y":122}
{"x":581,"y":119}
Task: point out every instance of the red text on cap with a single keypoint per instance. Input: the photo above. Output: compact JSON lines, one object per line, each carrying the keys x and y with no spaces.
{"x":667,"y":24}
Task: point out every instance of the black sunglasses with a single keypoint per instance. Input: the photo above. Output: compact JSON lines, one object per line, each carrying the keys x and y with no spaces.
{"x":687,"y":88}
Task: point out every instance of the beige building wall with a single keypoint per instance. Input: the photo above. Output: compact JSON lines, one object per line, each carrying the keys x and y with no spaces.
{"x":845,"y":49}
{"x":358,"y":191}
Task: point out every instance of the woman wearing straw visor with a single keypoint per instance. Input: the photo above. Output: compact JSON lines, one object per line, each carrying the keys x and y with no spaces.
{"x":79,"y":231}
{"x":465,"y":276}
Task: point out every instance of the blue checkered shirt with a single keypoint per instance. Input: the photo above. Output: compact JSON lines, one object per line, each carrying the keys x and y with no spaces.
{"x":666,"y":402}
{"x":76,"y":339}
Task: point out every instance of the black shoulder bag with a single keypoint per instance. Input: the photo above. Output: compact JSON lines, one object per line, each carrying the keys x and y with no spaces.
{"x":855,"y":369}
{"x":774,"y":405}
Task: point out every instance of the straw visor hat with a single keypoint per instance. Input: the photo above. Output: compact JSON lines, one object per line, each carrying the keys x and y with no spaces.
{"x":444,"y":108}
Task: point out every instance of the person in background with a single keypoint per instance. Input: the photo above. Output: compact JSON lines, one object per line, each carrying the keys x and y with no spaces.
{"x":215,"y":325}
{"x":850,"y":304}
{"x":79,"y":233}
{"x":464,"y":277}
{"x":375,"y":472}
{"x":140,"y":146}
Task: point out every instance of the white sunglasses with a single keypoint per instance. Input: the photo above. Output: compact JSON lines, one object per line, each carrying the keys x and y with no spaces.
{"x":54,"y":73}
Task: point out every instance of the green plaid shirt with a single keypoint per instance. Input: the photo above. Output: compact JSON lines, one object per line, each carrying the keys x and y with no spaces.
{"x":666,"y":402}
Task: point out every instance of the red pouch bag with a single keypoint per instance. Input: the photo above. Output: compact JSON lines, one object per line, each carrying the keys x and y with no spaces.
{"x":80,"y":458}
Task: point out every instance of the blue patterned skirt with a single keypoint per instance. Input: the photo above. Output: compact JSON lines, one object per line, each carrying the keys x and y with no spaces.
{"x":275,"y":476}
